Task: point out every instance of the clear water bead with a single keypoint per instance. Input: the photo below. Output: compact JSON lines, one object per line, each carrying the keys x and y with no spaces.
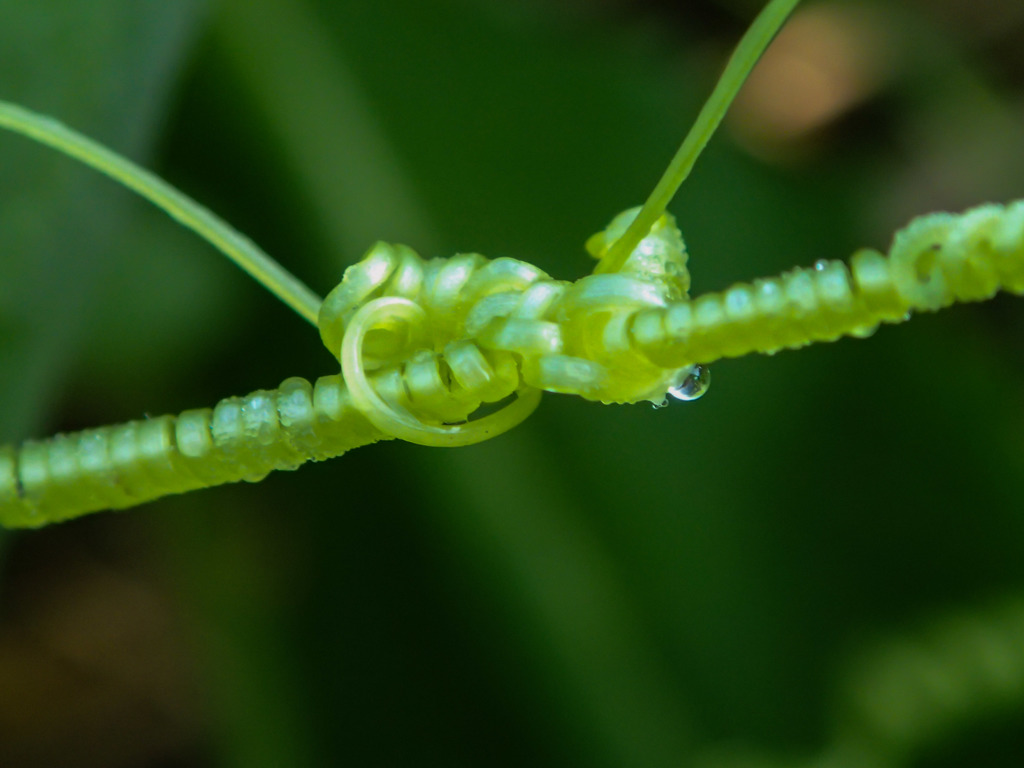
{"x":692,"y":383}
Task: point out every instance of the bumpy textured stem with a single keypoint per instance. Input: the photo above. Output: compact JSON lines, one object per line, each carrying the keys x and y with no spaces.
{"x":937,"y":260}
{"x":241,"y":438}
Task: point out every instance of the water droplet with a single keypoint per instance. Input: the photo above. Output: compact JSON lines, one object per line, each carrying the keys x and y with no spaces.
{"x":821,"y":265}
{"x":692,"y":383}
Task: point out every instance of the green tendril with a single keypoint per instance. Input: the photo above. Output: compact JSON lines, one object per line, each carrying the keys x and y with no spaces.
{"x":743,"y":59}
{"x":229,"y":241}
{"x":423,"y":344}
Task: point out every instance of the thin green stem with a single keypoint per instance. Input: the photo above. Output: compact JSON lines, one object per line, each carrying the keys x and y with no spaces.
{"x":207,"y":225}
{"x":749,"y":50}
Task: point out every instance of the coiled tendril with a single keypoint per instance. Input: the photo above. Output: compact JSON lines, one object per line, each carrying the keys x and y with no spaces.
{"x":423,"y":343}
{"x":935,"y":261}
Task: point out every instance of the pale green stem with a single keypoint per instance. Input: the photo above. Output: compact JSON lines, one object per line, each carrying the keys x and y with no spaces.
{"x":210,"y":227}
{"x":749,"y":50}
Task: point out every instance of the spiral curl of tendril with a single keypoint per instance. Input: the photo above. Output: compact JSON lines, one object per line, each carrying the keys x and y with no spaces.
{"x":423,"y":343}
{"x":446,"y":335}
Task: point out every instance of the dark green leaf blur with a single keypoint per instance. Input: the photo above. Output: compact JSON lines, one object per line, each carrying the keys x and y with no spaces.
{"x":820,"y":564}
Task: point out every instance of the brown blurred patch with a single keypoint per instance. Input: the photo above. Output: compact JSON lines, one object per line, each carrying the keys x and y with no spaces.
{"x":93,"y":667}
{"x":825,"y":62}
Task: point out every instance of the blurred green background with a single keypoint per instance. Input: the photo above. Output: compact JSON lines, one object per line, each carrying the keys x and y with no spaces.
{"x":818,"y":564}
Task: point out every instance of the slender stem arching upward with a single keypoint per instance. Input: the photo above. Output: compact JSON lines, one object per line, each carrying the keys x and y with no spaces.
{"x":178,"y":205}
{"x":743,"y":59}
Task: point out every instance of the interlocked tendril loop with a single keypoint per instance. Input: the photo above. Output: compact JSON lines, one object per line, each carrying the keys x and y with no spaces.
{"x":422,"y":344}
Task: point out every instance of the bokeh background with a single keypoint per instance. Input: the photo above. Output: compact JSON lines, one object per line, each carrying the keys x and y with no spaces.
{"x":818,"y":564}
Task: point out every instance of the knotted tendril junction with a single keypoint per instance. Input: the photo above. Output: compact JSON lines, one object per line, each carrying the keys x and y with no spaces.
{"x":422,"y":344}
